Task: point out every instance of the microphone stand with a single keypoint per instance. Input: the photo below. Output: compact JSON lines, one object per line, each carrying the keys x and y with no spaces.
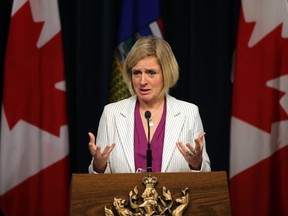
{"x":149,"y":151}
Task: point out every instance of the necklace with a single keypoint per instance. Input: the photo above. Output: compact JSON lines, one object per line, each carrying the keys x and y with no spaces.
{"x":151,"y":123}
{"x":155,"y":114}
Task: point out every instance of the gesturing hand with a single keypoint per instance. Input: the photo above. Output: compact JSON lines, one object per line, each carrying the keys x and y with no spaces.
{"x":193,"y":155}
{"x":100,"y":158}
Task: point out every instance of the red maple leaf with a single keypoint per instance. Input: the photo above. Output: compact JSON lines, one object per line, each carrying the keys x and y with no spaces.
{"x":31,"y":74}
{"x":254,"y":102}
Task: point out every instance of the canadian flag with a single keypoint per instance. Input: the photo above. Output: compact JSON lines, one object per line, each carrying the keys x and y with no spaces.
{"x":34,"y":171}
{"x":259,"y":125}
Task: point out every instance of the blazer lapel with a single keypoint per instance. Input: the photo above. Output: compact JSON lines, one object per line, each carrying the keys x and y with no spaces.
{"x":173,"y":127}
{"x":125,"y":128}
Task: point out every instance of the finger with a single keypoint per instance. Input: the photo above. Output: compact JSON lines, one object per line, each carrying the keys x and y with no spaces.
{"x":200,"y":138}
{"x":183,"y":150}
{"x":108,"y":149}
{"x":198,"y":145}
{"x":92,"y":137}
{"x":95,"y":150}
{"x":199,"y":141}
{"x":191,"y":148}
{"x":92,"y":147}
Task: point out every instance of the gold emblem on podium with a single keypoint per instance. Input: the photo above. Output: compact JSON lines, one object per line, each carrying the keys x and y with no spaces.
{"x":151,"y":203}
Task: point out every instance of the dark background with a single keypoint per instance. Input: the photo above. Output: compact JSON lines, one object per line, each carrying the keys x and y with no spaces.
{"x":202,"y":35}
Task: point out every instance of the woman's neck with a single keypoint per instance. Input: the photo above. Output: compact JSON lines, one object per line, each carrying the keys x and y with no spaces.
{"x":152,"y":106}
{"x":156,"y":108}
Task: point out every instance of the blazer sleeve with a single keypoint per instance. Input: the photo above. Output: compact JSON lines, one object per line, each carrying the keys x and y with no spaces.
{"x":205,"y":166}
{"x":101,"y":140}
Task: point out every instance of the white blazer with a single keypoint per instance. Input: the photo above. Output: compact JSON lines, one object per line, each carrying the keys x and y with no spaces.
{"x":183,"y":123}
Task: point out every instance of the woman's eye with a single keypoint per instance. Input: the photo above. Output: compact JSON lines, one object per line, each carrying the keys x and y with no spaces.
{"x":136,"y":72}
{"x":151,"y":73}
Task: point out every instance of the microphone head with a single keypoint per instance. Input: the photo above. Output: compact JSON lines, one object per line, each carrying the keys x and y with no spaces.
{"x":148,"y":114}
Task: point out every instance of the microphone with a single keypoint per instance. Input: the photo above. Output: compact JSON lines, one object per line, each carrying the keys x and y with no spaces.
{"x":148,"y":152}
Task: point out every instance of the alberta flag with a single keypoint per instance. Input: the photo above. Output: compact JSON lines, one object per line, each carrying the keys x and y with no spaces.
{"x":137,"y":18}
{"x":34,"y":174}
{"x":259,"y":129}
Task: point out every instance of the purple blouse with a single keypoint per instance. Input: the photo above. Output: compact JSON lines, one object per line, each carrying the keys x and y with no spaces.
{"x":141,"y":142}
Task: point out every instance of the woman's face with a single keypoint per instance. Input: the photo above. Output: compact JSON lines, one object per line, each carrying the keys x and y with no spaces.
{"x":147,"y":79}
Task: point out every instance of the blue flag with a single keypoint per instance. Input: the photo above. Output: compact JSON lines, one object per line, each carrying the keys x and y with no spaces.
{"x":137,"y":18}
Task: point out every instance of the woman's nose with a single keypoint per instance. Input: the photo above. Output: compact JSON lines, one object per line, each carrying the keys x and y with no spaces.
{"x":143,"y":79}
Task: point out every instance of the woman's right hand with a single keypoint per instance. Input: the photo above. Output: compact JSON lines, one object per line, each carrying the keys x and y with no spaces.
{"x":99,"y":158}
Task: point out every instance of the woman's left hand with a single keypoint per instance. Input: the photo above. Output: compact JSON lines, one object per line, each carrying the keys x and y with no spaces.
{"x":193,"y":155}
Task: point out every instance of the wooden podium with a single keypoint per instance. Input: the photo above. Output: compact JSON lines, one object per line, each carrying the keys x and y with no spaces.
{"x":208,"y":191}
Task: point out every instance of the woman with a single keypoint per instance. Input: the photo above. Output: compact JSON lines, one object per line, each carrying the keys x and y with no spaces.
{"x":176,"y":131}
